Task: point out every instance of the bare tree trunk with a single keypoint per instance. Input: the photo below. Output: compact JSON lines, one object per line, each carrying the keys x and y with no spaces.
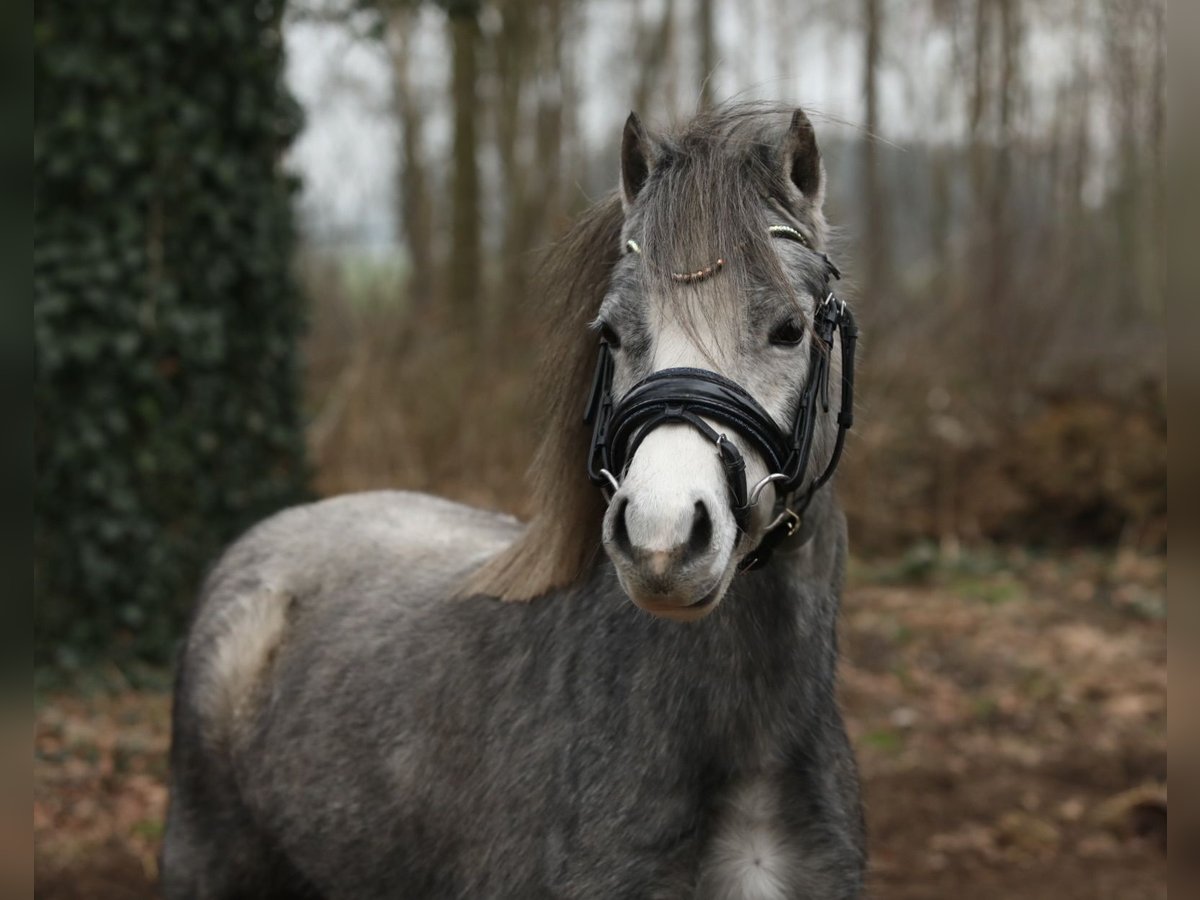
{"x":572,"y":154}
{"x":999,"y":233}
{"x":652,"y":53}
{"x":1157,"y":295}
{"x":940,"y":223}
{"x":1077,"y":153}
{"x":530,"y":113}
{"x":515,"y":61}
{"x":1009,"y":323}
{"x":707,"y":43}
{"x":414,"y":207}
{"x":1079,"y":160}
{"x":979,"y":234}
{"x":548,"y":131}
{"x":464,"y":260}
{"x":1122,"y":66}
{"x":875,"y":205}
{"x":977,"y":109}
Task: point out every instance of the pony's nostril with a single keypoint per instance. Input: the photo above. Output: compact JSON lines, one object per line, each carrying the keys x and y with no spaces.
{"x":702,"y":530}
{"x":620,"y":531}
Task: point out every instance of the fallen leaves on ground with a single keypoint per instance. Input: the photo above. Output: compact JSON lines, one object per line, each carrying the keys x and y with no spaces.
{"x":1010,"y":720}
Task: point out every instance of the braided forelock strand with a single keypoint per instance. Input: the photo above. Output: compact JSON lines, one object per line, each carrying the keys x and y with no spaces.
{"x":562,"y":539}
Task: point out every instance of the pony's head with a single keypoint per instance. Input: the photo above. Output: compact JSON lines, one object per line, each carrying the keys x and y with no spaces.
{"x":708,"y":264}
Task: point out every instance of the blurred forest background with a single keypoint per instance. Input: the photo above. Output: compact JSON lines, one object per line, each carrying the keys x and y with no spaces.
{"x":285,"y":250}
{"x":995,"y":166}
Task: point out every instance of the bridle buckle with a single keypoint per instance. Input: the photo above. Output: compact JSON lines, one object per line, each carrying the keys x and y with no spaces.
{"x":794,"y":523}
{"x":789,"y":520}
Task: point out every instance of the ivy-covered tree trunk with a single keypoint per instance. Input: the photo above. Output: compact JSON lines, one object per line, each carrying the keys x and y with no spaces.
{"x":166,"y":319}
{"x":466,"y":254}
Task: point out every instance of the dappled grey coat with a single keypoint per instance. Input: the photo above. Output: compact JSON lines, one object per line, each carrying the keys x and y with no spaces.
{"x":414,"y":746}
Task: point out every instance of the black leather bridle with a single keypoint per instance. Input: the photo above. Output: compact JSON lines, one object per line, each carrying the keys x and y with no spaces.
{"x":691,"y":396}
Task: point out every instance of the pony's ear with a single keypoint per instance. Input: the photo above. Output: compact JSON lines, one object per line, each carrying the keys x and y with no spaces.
{"x":636,"y":159}
{"x":801,"y":160}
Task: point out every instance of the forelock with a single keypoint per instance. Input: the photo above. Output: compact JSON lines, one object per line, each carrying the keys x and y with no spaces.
{"x":707,"y":199}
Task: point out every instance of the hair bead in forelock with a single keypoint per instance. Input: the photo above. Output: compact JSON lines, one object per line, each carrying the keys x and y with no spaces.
{"x":682,"y":277}
{"x":699,"y":274}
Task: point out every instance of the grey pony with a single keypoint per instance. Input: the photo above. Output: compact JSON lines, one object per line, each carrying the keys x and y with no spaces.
{"x":392,"y":695}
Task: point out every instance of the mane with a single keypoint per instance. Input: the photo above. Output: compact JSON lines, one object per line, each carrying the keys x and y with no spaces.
{"x":562,"y":539}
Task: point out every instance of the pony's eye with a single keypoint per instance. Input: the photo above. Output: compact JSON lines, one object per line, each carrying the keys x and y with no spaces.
{"x":787,"y":333}
{"x":609,"y":336}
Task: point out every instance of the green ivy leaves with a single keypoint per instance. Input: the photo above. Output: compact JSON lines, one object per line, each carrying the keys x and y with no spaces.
{"x":165,"y":317}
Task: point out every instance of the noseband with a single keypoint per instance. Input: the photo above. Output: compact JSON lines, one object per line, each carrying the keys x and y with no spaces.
{"x":694,"y":396}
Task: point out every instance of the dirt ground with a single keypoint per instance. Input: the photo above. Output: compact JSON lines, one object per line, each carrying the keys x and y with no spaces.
{"x":1009,"y":713}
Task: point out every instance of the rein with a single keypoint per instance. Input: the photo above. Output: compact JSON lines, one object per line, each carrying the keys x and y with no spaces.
{"x":690,"y":396}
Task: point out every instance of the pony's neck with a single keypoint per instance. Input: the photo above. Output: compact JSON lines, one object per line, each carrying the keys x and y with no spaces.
{"x":747,"y":676}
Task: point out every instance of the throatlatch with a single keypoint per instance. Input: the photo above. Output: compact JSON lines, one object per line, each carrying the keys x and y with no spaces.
{"x":691,"y":396}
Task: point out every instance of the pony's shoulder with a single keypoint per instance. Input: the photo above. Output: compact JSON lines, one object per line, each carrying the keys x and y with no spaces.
{"x":357,"y":555}
{"x":388,"y":518}
{"x":389,"y":534}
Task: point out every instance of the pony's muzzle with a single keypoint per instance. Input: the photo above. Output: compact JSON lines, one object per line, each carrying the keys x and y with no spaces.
{"x":660,"y":564}
{"x":667,"y":560}
{"x":670,"y":530}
